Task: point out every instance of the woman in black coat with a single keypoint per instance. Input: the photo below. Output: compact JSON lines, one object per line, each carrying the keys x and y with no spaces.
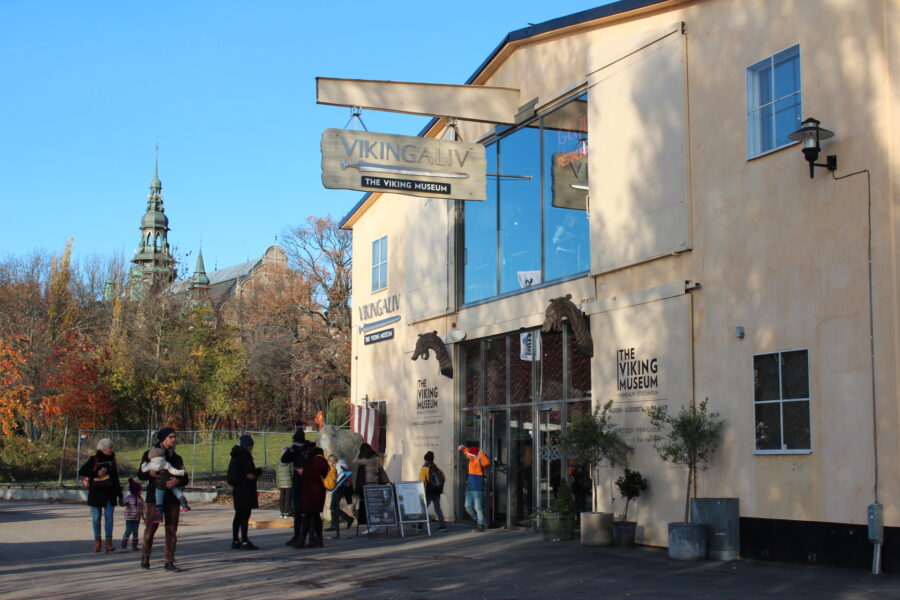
{"x":242,"y":474}
{"x":101,"y":478}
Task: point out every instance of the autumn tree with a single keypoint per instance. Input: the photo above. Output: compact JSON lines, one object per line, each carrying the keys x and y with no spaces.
{"x":77,"y":390}
{"x":15,"y":408}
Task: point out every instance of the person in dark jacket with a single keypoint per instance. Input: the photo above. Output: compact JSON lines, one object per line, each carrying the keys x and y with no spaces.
{"x":242,"y":475}
{"x":101,"y":478}
{"x":165,"y":439}
{"x":297,"y":455}
{"x":312,"y":491}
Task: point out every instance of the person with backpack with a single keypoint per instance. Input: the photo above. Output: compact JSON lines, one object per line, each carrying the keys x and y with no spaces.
{"x":341,"y":488}
{"x":242,"y":476}
{"x":298,"y":455}
{"x":434,"y":486}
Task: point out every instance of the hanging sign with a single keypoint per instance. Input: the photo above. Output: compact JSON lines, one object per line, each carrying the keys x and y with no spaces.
{"x":413,"y":166}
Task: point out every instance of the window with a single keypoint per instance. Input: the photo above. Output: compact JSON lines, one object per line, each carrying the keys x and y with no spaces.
{"x":533,"y":226}
{"x":781,"y":399}
{"x":773,"y":101}
{"x":379,"y":264}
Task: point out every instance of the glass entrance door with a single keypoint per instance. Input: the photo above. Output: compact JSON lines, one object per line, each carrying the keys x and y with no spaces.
{"x":496,"y":497}
{"x":471,"y":436}
{"x":550,"y":469}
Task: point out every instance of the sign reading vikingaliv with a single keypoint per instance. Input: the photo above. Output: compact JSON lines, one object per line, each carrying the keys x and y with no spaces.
{"x":414,"y":166}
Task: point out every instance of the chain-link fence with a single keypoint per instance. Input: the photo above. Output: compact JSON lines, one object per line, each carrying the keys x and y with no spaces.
{"x":206,"y":454}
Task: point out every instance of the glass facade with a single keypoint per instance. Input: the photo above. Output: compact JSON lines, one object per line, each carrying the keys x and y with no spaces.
{"x":520,"y":390}
{"x":533,"y":227}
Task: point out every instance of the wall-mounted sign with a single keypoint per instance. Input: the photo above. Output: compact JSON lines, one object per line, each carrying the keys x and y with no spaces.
{"x":378,"y":336}
{"x":414,"y":166}
{"x":380,"y":307}
{"x":570,"y":179}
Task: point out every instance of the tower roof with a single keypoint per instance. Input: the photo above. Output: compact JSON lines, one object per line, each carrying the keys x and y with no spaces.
{"x":200,"y":277}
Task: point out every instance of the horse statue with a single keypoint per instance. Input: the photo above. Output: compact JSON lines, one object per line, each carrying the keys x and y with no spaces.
{"x":563,"y":308}
{"x":431,"y":341}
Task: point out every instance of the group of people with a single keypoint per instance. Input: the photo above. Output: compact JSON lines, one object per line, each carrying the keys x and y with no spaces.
{"x":311,"y":475}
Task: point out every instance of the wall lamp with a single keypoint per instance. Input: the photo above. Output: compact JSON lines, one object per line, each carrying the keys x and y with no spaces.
{"x":811,"y":134}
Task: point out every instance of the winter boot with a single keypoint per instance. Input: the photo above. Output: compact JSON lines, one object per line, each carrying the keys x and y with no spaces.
{"x":97,"y":544}
{"x":124,"y":542}
{"x":134,"y":545}
{"x":110,"y":547}
{"x":184,"y":504}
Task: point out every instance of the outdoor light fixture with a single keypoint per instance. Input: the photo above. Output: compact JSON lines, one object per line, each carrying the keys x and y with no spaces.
{"x":811,"y":134}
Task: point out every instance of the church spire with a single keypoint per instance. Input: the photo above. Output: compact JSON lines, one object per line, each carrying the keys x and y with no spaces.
{"x":153,"y":262}
{"x":200,"y":277}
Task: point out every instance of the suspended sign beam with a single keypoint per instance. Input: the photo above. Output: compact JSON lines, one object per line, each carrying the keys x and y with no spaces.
{"x":402,"y":164}
{"x":466,"y":102}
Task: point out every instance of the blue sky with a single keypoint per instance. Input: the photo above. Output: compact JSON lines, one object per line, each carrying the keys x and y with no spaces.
{"x":228,"y":88}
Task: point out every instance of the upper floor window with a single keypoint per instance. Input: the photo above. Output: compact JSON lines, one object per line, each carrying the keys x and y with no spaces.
{"x":533,"y":227}
{"x":379,"y":264}
{"x":781,"y":400}
{"x":773,"y":101}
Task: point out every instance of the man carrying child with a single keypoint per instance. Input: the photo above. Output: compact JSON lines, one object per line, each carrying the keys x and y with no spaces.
{"x":171,"y":506}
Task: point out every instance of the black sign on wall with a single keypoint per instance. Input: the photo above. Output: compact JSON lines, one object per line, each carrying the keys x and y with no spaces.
{"x":379,"y":336}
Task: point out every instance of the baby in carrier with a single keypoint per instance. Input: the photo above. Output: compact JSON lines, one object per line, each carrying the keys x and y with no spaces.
{"x":157,"y":462}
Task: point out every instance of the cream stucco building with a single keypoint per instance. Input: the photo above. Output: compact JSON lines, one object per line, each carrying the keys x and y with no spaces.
{"x":708,"y":262}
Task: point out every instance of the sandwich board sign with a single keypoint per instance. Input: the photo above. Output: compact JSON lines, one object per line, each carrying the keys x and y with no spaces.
{"x":381,"y":506}
{"x":402,"y":164}
{"x":412,"y":503}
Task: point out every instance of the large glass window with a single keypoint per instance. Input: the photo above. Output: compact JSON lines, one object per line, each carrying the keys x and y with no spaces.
{"x":533,"y":227}
{"x":773,"y":101}
{"x":379,"y":264}
{"x":781,"y":401}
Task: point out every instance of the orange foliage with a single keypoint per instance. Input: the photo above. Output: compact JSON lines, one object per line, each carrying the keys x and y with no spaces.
{"x":14,"y":391}
{"x":79,"y":392}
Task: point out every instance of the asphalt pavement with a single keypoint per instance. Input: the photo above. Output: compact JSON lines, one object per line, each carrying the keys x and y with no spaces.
{"x":45,"y":553}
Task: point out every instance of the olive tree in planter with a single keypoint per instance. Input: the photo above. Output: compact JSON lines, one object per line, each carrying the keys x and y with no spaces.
{"x":559,"y":524}
{"x":692,"y":437}
{"x":630,"y":484}
{"x":593,"y":439}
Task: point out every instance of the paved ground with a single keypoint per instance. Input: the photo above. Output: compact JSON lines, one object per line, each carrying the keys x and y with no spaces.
{"x":44,"y":553}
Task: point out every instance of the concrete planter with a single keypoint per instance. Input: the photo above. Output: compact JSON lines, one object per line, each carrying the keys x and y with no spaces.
{"x":687,"y":541}
{"x":723,"y":526}
{"x":623,"y":533}
{"x":596,"y":529}
{"x":556,"y":527}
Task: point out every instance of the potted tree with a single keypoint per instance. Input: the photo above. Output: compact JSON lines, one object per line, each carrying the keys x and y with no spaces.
{"x":692,"y":438}
{"x":630,"y":484}
{"x":559,"y":524}
{"x":592,"y":439}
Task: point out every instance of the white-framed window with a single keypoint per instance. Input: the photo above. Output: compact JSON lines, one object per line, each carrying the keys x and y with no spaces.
{"x":379,"y":263}
{"x":781,"y":402}
{"x":774,"y":98}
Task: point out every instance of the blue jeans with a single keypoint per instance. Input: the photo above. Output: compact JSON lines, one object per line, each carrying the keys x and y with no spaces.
{"x":131,"y":529}
{"x":475,"y":506}
{"x":108,"y":519}
{"x":436,"y":500}
{"x":161,"y":494}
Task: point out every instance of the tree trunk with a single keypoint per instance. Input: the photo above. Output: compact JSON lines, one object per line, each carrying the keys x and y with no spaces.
{"x":687,"y":495}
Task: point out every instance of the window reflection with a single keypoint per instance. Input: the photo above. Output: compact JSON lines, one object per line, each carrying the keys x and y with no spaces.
{"x":520,"y":210}
{"x":481,"y":240}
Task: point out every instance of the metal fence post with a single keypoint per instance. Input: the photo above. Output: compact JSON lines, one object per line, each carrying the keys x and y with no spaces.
{"x":194,"y":456}
{"x":212,"y":453}
{"x":78,"y":455}
{"x":265,"y":450}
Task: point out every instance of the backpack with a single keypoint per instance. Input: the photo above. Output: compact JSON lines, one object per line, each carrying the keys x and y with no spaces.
{"x":435,"y":483}
{"x":232,"y":477}
{"x":330,"y":480}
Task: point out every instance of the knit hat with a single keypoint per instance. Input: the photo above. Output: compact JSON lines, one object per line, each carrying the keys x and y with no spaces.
{"x":246,"y":441}
{"x":473,"y":450}
{"x":164,"y":433}
{"x":104,"y":444}
{"x":299,"y":436}
{"x":134,"y":488}
{"x":429,"y":456}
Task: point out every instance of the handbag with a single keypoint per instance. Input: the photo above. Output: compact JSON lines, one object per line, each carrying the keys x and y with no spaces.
{"x":382,"y":477}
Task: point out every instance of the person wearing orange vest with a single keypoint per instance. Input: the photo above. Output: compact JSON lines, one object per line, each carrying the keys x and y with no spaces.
{"x":478,"y":460}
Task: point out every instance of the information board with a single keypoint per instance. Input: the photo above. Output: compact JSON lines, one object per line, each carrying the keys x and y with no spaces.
{"x":381,"y":508}
{"x":411,"y":499}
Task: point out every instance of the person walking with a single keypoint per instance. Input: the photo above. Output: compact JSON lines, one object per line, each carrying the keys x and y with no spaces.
{"x":343,"y":490}
{"x":134,"y":512}
{"x":165,"y":439}
{"x":297,"y":455}
{"x":478,"y":461}
{"x":368,"y":473}
{"x":101,"y":478}
{"x":434,"y":480}
{"x":312,"y":491}
{"x":242,"y":476}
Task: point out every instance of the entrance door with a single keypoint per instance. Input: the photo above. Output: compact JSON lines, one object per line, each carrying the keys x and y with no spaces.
{"x":550,"y":469}
{"x":471,"y":436}
{"x":496,"y":498}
